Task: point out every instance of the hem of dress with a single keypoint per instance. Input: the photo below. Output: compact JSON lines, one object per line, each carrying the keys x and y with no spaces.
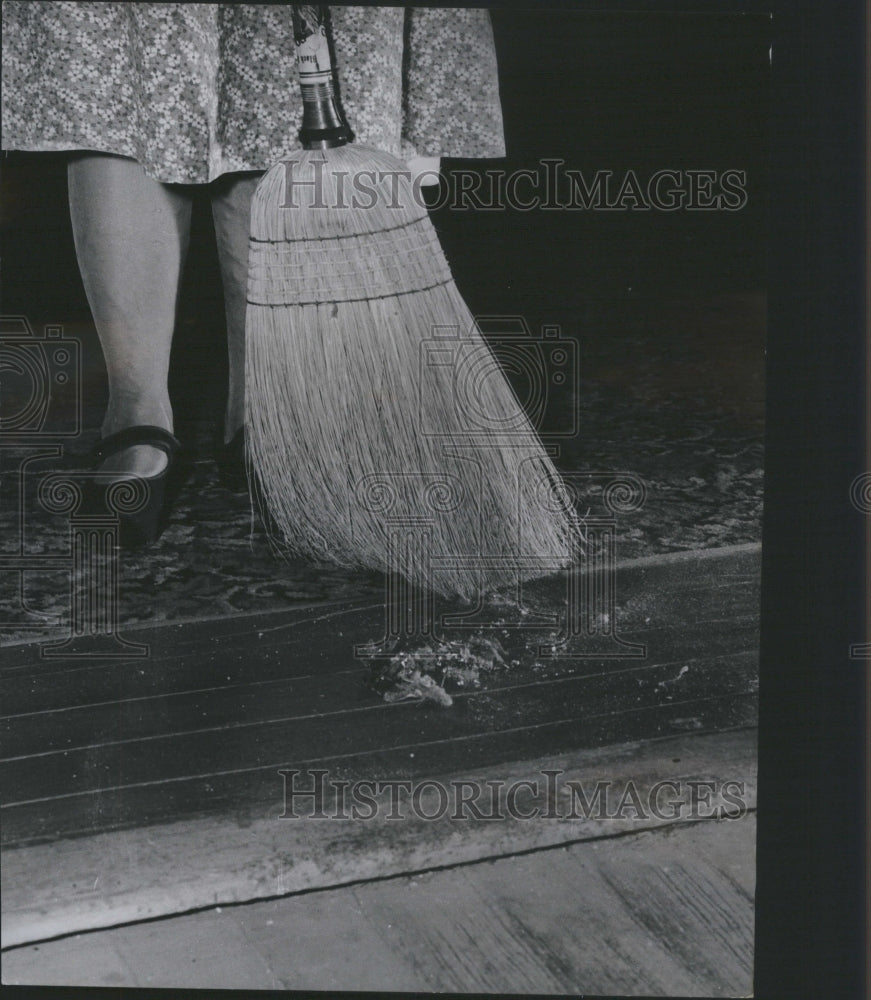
{"x":217,"y":167}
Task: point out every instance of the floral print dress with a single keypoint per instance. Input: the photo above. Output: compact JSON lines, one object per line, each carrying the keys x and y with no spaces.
{"x":193,"y":91}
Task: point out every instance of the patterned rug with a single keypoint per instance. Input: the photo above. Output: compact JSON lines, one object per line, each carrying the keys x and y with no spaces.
{"x":680,"y":413}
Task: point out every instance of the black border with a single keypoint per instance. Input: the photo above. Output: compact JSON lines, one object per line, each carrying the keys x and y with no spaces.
{"x":810,"y":906}
{"x":810,"y":914}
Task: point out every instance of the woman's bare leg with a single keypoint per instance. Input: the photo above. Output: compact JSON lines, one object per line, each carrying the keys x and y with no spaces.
{"x":131,"y":235}
{"x":231,"y":210}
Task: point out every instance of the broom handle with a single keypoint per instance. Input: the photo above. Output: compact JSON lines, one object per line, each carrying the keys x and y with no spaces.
{"x":323,"y":124}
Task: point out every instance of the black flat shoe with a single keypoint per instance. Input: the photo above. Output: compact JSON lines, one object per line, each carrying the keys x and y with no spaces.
{"x":230,"y":460}
{"x":141,"y":503}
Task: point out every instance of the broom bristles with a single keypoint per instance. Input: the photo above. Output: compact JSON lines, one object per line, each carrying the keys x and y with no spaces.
{"x":359,"y":444}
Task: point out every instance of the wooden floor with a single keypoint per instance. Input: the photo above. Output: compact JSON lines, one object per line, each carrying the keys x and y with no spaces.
{"x":202,"y":725}
{"x":149,"y":787}
{"x":667,"y":912}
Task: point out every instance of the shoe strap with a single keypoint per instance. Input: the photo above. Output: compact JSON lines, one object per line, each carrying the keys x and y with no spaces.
{"x":157,"y":437}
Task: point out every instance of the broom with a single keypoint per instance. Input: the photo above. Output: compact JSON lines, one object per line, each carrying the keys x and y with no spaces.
{"x":359,"y":425}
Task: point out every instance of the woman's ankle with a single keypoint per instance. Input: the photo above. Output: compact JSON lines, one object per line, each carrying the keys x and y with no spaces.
{"x":129,"y":413}
{"x":141,"y":459}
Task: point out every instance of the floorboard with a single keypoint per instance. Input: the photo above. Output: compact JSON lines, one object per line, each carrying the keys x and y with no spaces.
{"x":203,"y":725}
{"x":662,"y":913}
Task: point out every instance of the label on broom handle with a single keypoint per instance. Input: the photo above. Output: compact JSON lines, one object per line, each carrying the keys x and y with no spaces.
{"x":323,"y":125}
{"x":312,"y":44}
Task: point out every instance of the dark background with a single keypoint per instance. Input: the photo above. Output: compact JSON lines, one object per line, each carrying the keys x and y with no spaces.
{"x":600,"y":90}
